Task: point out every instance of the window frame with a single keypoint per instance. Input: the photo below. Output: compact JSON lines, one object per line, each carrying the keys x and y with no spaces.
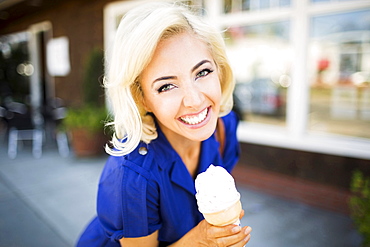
{"x":295,"y":135}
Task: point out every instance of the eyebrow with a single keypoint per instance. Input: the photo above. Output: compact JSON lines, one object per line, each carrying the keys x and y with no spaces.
{"x":163,"y":78}
{"x":200,"y":64}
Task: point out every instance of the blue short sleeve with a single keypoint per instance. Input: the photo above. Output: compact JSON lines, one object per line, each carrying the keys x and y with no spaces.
{"x":127,"y":200}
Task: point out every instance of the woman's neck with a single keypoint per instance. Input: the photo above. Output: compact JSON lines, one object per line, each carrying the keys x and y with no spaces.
{"x":190,"y":156}
{"x":188,"y":150}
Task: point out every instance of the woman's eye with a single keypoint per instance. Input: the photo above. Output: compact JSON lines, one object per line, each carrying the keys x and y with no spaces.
{"x":165,"y":88}
{"x":204,"y":73}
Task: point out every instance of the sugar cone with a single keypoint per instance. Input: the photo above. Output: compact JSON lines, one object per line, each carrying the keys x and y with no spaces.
{"x":225,"y":217}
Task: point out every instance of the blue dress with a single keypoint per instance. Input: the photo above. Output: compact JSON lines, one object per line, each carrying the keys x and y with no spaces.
{"x":151,"y":189}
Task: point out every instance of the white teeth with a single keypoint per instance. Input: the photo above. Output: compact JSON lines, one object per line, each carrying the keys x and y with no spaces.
{"x":195,"y":119}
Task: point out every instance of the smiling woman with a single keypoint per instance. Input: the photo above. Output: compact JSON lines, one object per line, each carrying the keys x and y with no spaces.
{"x":124,"y":74}
{"x":169,"y":82}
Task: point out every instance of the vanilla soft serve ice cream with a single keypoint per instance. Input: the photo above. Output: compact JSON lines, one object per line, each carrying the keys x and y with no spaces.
{"x":217,"y":197}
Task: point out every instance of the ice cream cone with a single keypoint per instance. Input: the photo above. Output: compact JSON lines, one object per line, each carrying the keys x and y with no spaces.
{"x":225,"y":217}
{"x":217,"y":197}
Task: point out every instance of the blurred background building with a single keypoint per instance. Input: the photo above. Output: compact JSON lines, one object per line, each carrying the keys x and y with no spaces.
{"x":302,"y":69}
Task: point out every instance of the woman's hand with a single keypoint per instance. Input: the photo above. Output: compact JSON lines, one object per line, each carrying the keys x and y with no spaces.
{"x":205,"y":234}
{"x":230,"y":235}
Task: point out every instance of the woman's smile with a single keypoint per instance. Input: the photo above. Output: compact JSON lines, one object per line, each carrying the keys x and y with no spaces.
{"x":197,"y":119}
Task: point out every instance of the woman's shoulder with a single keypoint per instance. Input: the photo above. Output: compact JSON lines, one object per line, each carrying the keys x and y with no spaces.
{"x":231,"y":120}
{"x":139,"y":162}
{"x":145,"y":159}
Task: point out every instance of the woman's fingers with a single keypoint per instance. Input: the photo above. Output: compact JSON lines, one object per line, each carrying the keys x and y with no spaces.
{"x":224,"y":231}
{"x":238,"y":240}
{"x":231,"y":235}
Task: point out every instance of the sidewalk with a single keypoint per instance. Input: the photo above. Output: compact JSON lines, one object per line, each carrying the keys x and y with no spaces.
{"x":48,"y":202}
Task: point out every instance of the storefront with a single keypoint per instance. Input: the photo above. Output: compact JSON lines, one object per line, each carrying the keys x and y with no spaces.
{"x":302,"y":69}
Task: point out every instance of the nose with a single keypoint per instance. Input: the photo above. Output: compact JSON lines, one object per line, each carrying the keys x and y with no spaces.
{"x":193,"y":97}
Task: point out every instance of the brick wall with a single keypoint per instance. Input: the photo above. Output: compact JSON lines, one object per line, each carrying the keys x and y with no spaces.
{"x":320,"y":180}
{"x":322,"y":168}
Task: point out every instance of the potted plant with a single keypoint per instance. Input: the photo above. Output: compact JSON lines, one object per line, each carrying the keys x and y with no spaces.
{"x":86,"y":129}
{"x":360,"y":205}
{"x":85,"y":123}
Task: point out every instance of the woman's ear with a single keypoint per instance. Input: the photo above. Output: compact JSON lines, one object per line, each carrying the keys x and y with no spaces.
{"x":143,"y":103}
{"x":140,"y":98}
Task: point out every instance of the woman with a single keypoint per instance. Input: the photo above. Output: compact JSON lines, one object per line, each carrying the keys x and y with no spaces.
{"x":169,"y":81}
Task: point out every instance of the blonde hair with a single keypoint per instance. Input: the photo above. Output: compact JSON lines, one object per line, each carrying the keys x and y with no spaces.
{"x":138,"y":35}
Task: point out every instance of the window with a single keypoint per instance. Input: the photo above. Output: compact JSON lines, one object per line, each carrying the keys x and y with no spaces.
{"x":340,"y":73}
{"x":261,"y":59}
{"x":302,"y":70}
{"x":234,"y":6}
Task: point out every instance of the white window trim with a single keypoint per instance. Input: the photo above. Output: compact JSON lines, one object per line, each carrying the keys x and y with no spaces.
{"x":274,"y":136}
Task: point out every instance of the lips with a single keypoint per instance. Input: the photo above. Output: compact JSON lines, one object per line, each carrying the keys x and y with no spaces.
{"x":195,"y":119}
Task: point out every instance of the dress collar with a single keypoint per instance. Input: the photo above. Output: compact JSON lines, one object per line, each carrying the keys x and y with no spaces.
{"x":178,"y":172}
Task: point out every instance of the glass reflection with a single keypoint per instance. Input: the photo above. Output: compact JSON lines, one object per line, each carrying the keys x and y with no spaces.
{"x":261,"y":59}
{"x":235,"y":6}
{"x":340,"y":74}
{"x":327,"y":1}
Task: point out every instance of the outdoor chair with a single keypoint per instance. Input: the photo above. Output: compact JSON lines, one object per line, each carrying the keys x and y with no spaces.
{"x":22,"y":126}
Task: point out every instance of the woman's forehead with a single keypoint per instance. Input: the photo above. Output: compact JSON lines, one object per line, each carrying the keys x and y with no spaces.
{"x":180,"y":48}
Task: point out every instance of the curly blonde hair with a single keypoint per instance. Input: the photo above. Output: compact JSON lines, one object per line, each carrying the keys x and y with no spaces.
{"x":137,"y":37}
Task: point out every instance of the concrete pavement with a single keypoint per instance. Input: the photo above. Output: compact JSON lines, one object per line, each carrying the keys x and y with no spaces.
{"x":48,"y":201}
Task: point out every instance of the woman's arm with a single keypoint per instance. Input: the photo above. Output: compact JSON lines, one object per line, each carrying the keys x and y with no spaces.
{"x":148,"y":241}
{"x":205,"y":234}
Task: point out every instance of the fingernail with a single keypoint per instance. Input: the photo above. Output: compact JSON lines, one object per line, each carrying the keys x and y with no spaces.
{"x":248,"y":230}
{"x":236,"y":229}
{"x":247,"y":238}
